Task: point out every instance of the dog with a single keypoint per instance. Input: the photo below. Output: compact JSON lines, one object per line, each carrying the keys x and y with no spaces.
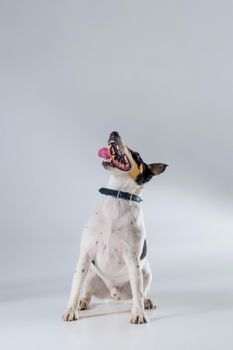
{"x":112,"y":261}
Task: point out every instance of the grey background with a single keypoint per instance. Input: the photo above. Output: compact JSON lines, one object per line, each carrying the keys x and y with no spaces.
{"x":159,"y":72}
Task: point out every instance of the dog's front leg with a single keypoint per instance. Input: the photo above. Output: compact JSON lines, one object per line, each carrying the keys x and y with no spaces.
{"x":71,"y":312}
{"x":136,"y":282}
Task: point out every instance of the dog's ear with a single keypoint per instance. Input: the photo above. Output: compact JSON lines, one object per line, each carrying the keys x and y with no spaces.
{"x":157,"y":168}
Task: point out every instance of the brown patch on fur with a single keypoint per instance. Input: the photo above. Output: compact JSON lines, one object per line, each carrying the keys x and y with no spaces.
{"x":148,"y":304}
{"x":136,"y":167}
{"x":135,"y":171}
{"x":84,"y":303}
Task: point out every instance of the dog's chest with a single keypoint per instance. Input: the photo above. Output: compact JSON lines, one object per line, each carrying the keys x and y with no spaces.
{"x":109,"y":255}
{"x":117,"y":229}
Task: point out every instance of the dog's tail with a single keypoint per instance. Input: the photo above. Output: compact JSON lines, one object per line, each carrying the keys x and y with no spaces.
{"x":115,"y":293}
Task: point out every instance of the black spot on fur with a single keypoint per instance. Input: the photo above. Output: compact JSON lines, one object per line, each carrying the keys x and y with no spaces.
{"x":144,"y":250}
{"x":137,"y":158}
{"x":93,"y":262}
{"x":146,"y":174}
{"x":83,"y":270}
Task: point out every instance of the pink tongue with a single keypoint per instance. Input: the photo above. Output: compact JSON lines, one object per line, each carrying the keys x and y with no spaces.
{"x":104,"y":153}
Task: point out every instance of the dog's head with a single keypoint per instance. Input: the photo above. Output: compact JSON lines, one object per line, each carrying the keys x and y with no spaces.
{"x":120,"y":160}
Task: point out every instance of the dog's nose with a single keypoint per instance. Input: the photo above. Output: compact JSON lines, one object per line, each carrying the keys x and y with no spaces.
{"x":114,"y":134}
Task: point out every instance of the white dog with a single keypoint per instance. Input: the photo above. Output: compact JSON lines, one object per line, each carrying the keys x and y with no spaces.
{"x":112,"y":261}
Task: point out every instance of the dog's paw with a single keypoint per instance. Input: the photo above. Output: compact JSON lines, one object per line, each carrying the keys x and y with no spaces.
{"x":148,"y":304}
{"x":138,"y":317}
{"x":70,"y":314}
{"x":83,"y":304}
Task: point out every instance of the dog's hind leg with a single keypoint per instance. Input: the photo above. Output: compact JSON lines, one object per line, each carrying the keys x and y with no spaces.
{"x":147,"y":278}
{"x":94,"y":286}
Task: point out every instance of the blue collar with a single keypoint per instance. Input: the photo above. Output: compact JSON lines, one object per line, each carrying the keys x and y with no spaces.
{"x":120,"y":194}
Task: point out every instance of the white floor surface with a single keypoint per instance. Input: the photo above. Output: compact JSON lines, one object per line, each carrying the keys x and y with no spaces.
{"x":184,"y":320}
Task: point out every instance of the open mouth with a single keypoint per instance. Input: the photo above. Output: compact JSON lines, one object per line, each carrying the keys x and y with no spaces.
{"x":114,"y":157}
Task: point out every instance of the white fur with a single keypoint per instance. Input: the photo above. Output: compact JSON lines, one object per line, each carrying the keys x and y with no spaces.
{"x":113,"y":238}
